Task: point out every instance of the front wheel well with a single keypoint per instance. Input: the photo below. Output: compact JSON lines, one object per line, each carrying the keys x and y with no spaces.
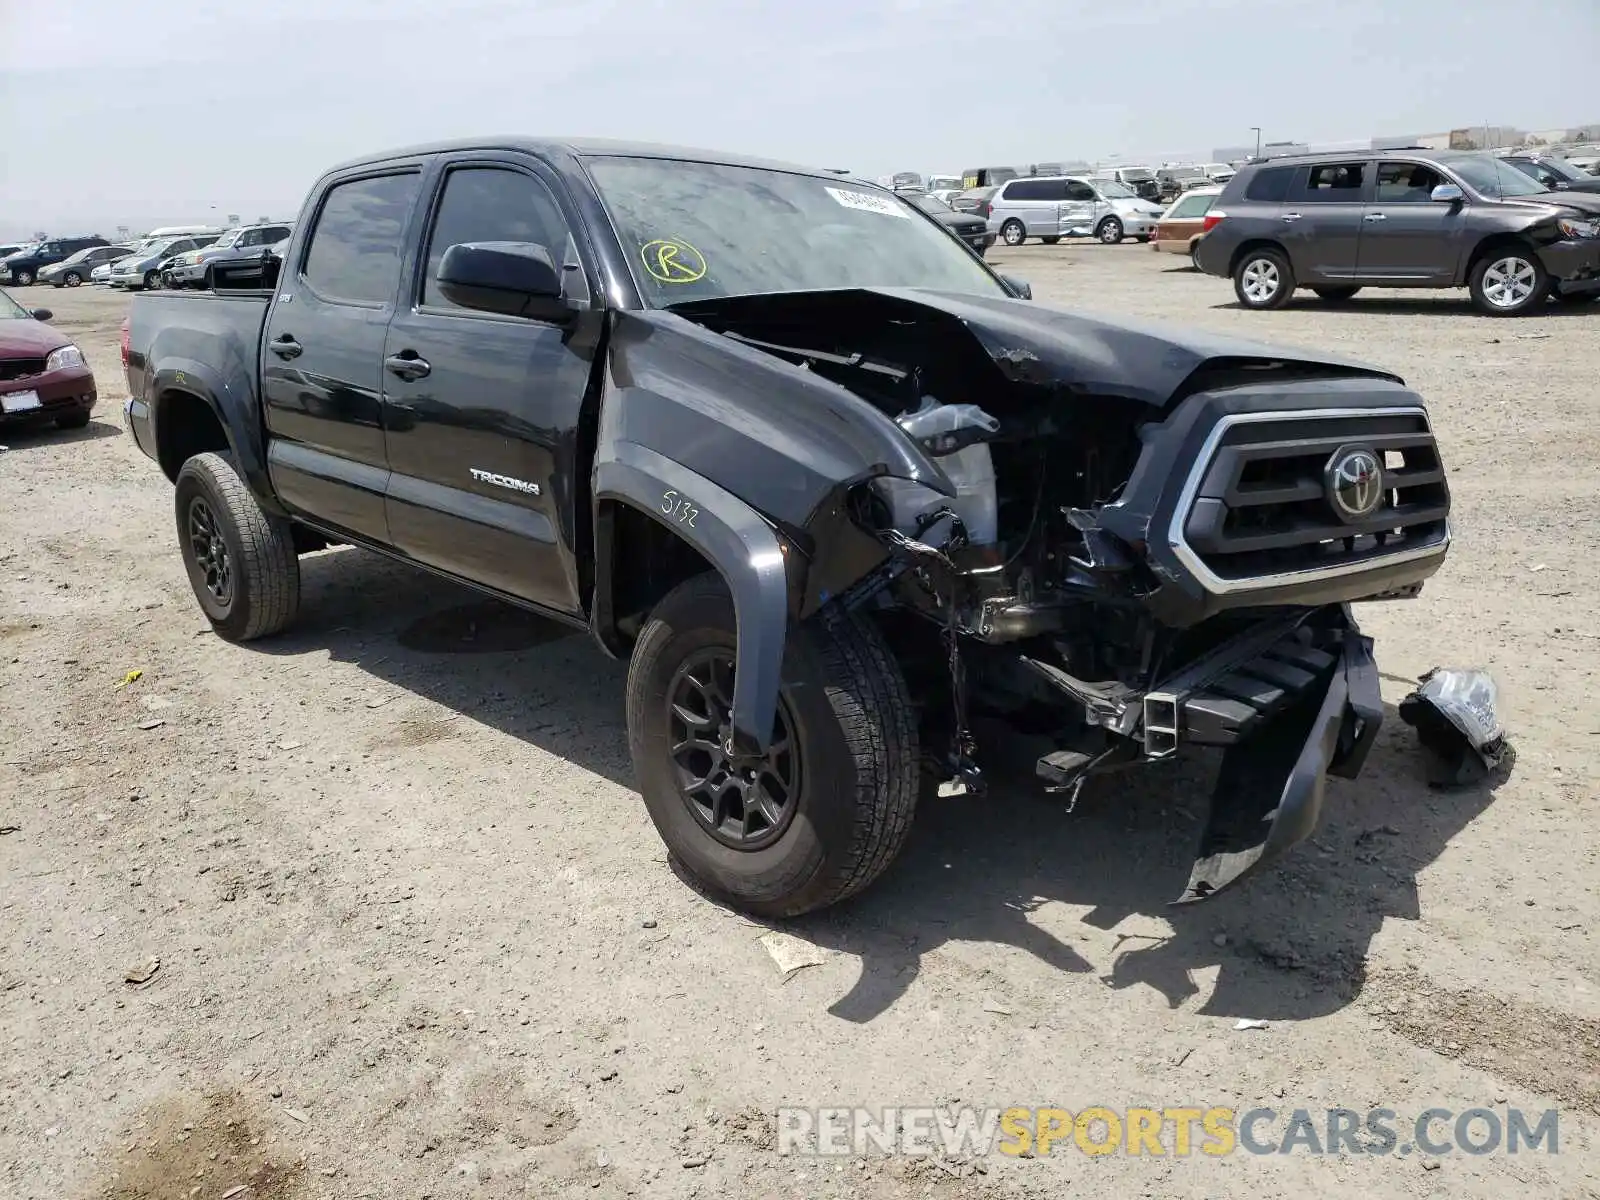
{"x":1251,"y":247}
{"x":643,"y":561}
{"x":186,"y":425}
{"x":1495,"y":241}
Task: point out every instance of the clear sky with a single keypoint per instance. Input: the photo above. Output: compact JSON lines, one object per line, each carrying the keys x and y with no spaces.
{"x":173,"y":110}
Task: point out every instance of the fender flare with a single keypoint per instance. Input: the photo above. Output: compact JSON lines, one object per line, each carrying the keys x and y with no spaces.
{"x":210,"y":387}
{"x":744,"y":548}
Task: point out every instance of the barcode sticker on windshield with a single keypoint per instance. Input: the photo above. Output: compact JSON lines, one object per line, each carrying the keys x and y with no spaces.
{"x":867,"y":202}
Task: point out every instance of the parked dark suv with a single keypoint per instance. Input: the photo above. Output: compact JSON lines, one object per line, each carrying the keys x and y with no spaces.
{"x":22,"y":268}
{"x":1402,"y":218}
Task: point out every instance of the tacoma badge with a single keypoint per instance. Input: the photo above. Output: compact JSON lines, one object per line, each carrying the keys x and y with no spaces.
{"x":505,"y":481}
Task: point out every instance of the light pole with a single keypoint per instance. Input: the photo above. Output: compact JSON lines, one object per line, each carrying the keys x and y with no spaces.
{"x":1256,"y":129}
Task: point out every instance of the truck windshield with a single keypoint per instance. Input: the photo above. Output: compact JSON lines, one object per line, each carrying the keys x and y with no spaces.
{"x":1112,"y":190}
{"x":694,"y":230}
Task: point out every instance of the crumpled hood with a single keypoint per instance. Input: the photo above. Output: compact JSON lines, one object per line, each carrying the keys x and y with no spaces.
{"x":1141,"y":360}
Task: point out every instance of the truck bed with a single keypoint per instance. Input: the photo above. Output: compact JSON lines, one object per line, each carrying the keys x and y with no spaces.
{"x":215,"y":337}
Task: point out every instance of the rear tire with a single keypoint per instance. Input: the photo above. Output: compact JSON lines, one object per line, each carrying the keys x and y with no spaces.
{"x":1508,"y":281}
{"x":853,"y":768}
{"x":1049,"y":241}
{"x":22,"y":278}
{"x":1013,"y":233}
{"x":1588,"y":297}
{"x":75,"y":420}
{"x":1335,"y":295}
{"x":240,"y":558}
{"x":1263,"y":279}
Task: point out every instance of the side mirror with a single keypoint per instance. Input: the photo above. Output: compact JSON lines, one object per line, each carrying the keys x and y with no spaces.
{"x":1447,"y":193}
{"x":515,"y":279}
{"x":1020,"y":288}
{"x":42,"y":314}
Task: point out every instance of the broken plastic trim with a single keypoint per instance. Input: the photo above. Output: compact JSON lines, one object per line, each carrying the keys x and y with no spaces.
{"x":1268,"y":794}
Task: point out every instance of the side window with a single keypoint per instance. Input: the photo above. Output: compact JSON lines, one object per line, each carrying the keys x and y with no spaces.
{"x":1333,"y":183}
{"x":355,"y":248}
{"x":1406,"y":183}
{"x":273,"y":236}
{"x":1028,"y":189}
{"x":1270,"y":185}
{"x":491,"y":204}
{"x":250,"y":237}
{"x":1078,"y":190}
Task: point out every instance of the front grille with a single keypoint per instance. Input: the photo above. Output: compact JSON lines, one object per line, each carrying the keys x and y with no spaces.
{"x":1264,"y":506}
{"x":20,"y":368}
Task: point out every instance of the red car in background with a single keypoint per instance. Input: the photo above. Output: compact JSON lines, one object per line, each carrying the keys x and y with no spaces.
{"x":43,"y":376}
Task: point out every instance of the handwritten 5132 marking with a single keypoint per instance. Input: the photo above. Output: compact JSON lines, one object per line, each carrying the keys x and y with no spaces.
{"x":679,"y":509}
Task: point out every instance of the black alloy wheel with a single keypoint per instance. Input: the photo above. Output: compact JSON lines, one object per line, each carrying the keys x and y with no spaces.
{"x":745,"y":801}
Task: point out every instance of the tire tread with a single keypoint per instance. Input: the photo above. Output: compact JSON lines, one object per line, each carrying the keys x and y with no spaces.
{"x":270,"y":564}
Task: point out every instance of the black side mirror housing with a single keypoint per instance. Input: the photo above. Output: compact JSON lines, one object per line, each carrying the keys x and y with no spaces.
{"x":1020,"y":288}
{"x":42,"y":314}
{"x":515,"y":279}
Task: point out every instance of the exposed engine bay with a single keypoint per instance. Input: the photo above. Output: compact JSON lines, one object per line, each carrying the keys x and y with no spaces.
{"x":1058,"y":610}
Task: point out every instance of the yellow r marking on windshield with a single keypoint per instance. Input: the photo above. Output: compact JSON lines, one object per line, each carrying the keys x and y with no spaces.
{"x":673,"y":260}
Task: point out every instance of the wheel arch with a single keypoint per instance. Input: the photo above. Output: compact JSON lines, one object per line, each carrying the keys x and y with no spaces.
{"x":676,"y":505}
{"x":1486,"y":245}
{"x":1249,"y":247}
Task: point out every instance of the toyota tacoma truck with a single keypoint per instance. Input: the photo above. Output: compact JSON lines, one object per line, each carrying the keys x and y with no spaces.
{"x":868,"y":524}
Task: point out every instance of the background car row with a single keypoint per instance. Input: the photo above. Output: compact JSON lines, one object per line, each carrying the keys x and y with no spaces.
{"x":177,"y":256}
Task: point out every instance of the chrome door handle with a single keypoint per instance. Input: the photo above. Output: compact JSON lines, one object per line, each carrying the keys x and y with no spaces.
{"x":1376,"y":217}
{"x":1291,"y":216}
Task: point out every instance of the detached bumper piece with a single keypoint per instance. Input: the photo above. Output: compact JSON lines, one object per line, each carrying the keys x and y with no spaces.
{"x":1306,"y":707}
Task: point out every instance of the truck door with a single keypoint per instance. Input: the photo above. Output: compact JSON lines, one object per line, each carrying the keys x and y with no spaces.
{"x":322,"y":354}
{"x":481,"y":410}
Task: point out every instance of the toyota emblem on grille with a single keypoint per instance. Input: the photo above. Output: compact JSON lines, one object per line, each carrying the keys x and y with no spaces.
{"x":1353,"y":480}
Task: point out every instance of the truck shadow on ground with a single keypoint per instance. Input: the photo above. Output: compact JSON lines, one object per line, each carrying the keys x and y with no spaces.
{"x":1295,"y":938}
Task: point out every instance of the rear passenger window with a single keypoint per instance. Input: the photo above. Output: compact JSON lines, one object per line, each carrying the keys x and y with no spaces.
{"x":356,"y":245}
{"x":1029,"y":189}
{"x":489,"y":204}
{"x":1334,"y":183}
{"x":1270,"y":185}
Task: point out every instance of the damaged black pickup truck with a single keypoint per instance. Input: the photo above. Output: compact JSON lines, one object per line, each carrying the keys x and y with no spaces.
{"x":845,"y":497}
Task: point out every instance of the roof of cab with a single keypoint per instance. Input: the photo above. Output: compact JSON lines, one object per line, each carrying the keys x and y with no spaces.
{"x":590,"y":148}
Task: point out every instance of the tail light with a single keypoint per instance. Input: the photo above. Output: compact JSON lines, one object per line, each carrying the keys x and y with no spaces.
{"x":986,"y":208}
{"x":125,"y":341}
{"x":1213,"y":219}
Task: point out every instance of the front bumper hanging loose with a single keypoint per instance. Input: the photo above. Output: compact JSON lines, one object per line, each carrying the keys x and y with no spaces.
{"x":1269,"y":790}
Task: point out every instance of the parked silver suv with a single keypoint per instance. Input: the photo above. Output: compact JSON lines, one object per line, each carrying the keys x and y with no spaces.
{"x":1069,"y":206}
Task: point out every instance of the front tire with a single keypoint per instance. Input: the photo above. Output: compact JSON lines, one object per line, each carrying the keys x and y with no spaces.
{"x":1335,"y":295}
{"x":76,"y":420}
{"x":1263,"y":279}
{"x":814,"y":821}
{"x":1109,"y":231}
{"x":152,"y":281}
{"x":1508,"y":282}
{"x":1013,"y":233}
{"x":72,"y":279}
{"x":1050,"y":241}
{"x":240,"y":558}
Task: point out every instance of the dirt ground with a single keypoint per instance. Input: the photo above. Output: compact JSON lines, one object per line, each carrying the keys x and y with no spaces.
{"x":417,"y":937}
